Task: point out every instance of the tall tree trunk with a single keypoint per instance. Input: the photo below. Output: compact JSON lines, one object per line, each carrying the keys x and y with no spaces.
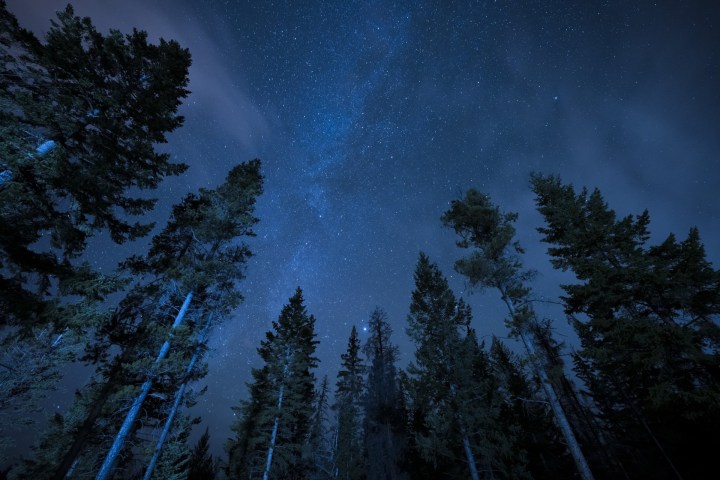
{"x":178,"y":397}
{"x":273,"y":437}
{"x":117,"y":445}
{"x":558,"y":412}
{"x":466,"y":441}
{"x":470,"y":457}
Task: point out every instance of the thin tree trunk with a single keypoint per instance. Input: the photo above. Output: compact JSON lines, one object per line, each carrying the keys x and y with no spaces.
{"x":466,"y":441}
{"x":273,"y":437}
{"x":470,"y":457}
{"x":655,"y":440}
{"x":176,"y":404}
{"x":70,"y":459}
{"x":558,"y":412}
{"x":271,"y":449}
{"x":117,"y":445}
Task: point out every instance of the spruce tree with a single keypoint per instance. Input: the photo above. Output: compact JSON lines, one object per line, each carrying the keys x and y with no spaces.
{"x":273,"y":425}
{"x":200,"y":252}
{"x":201,"y":464}
{"x":320,"y":445}
{"x":453,"y":406}
{"x":349,"y":455}
{"x":80,"y":117}
{"x":174,"y":461}
{"x":384,"y":427}
{"x":524,"y":412}
{"x":647,"y":317}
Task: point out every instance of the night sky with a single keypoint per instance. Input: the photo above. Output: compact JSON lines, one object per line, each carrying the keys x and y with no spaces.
{"x":371,"y":116}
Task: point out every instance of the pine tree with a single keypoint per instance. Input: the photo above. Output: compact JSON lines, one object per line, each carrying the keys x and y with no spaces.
{"x":349,"y":455}
{"x":274,"y":423}
{"x":524,"y":410}
{"x":499,"y":437}
{"x":199,"y":250}
{"x":384,"y":425}
{"x":29,"y":372}
{"x":180,"y":394}
{"x":646,"y":316}
{"x":581,"y":413}
{"x":494,"y":263}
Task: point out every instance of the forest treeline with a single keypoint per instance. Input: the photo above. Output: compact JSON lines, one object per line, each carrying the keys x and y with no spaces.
{"x":81,"y":116}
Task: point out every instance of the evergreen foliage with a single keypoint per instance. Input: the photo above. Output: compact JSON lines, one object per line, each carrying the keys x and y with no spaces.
{"x":349,"y":455}
{"x":29,"y":372}
{"x":647,"y":317}
{"x":385,"y":426}
{"x":201,"y":464}
{"x":494,"y":263}
{"x":320,"y":445}
{"x":210,"y":261}
{"x":524,"y":414}
{"x":174,"y":462}
{"x":80,"y":116}
{"x":454,"y":408}
{"x":276,"y":420}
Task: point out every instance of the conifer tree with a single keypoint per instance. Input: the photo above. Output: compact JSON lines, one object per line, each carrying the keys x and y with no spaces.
{"x":201,"y":464}
{"x":384,"y":424}
{"x":80,"y":116}
{"x":200,"y":250}
{"x":320,"y":446}
{"x":273,"y":425}
{"x":494,"y":263}
{"x":179,"y":397}
{"x":174,"y":461}
{"x":452,"y":399}
{"x":647,"y":317}
{"x":524,"y":411}
{"x":349,"y":455}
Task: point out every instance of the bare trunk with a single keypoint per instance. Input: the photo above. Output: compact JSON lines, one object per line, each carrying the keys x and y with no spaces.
{"x":466,"y":441}
{"x":106,"y":468}
{"x":171,"y":416}
{"x":273,"y":437}
{"x":470,"y":458}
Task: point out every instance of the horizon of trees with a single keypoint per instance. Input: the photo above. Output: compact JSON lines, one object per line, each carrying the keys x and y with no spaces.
{"x":81,"y":115}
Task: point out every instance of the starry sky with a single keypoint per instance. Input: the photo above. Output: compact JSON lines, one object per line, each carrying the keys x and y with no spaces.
{"x":371,"y":116}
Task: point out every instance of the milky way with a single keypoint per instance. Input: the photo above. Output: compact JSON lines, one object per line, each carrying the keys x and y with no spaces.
{"x":371,"y":116}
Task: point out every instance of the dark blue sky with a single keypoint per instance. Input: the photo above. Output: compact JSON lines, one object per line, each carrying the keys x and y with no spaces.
{"x":371,"y":116}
